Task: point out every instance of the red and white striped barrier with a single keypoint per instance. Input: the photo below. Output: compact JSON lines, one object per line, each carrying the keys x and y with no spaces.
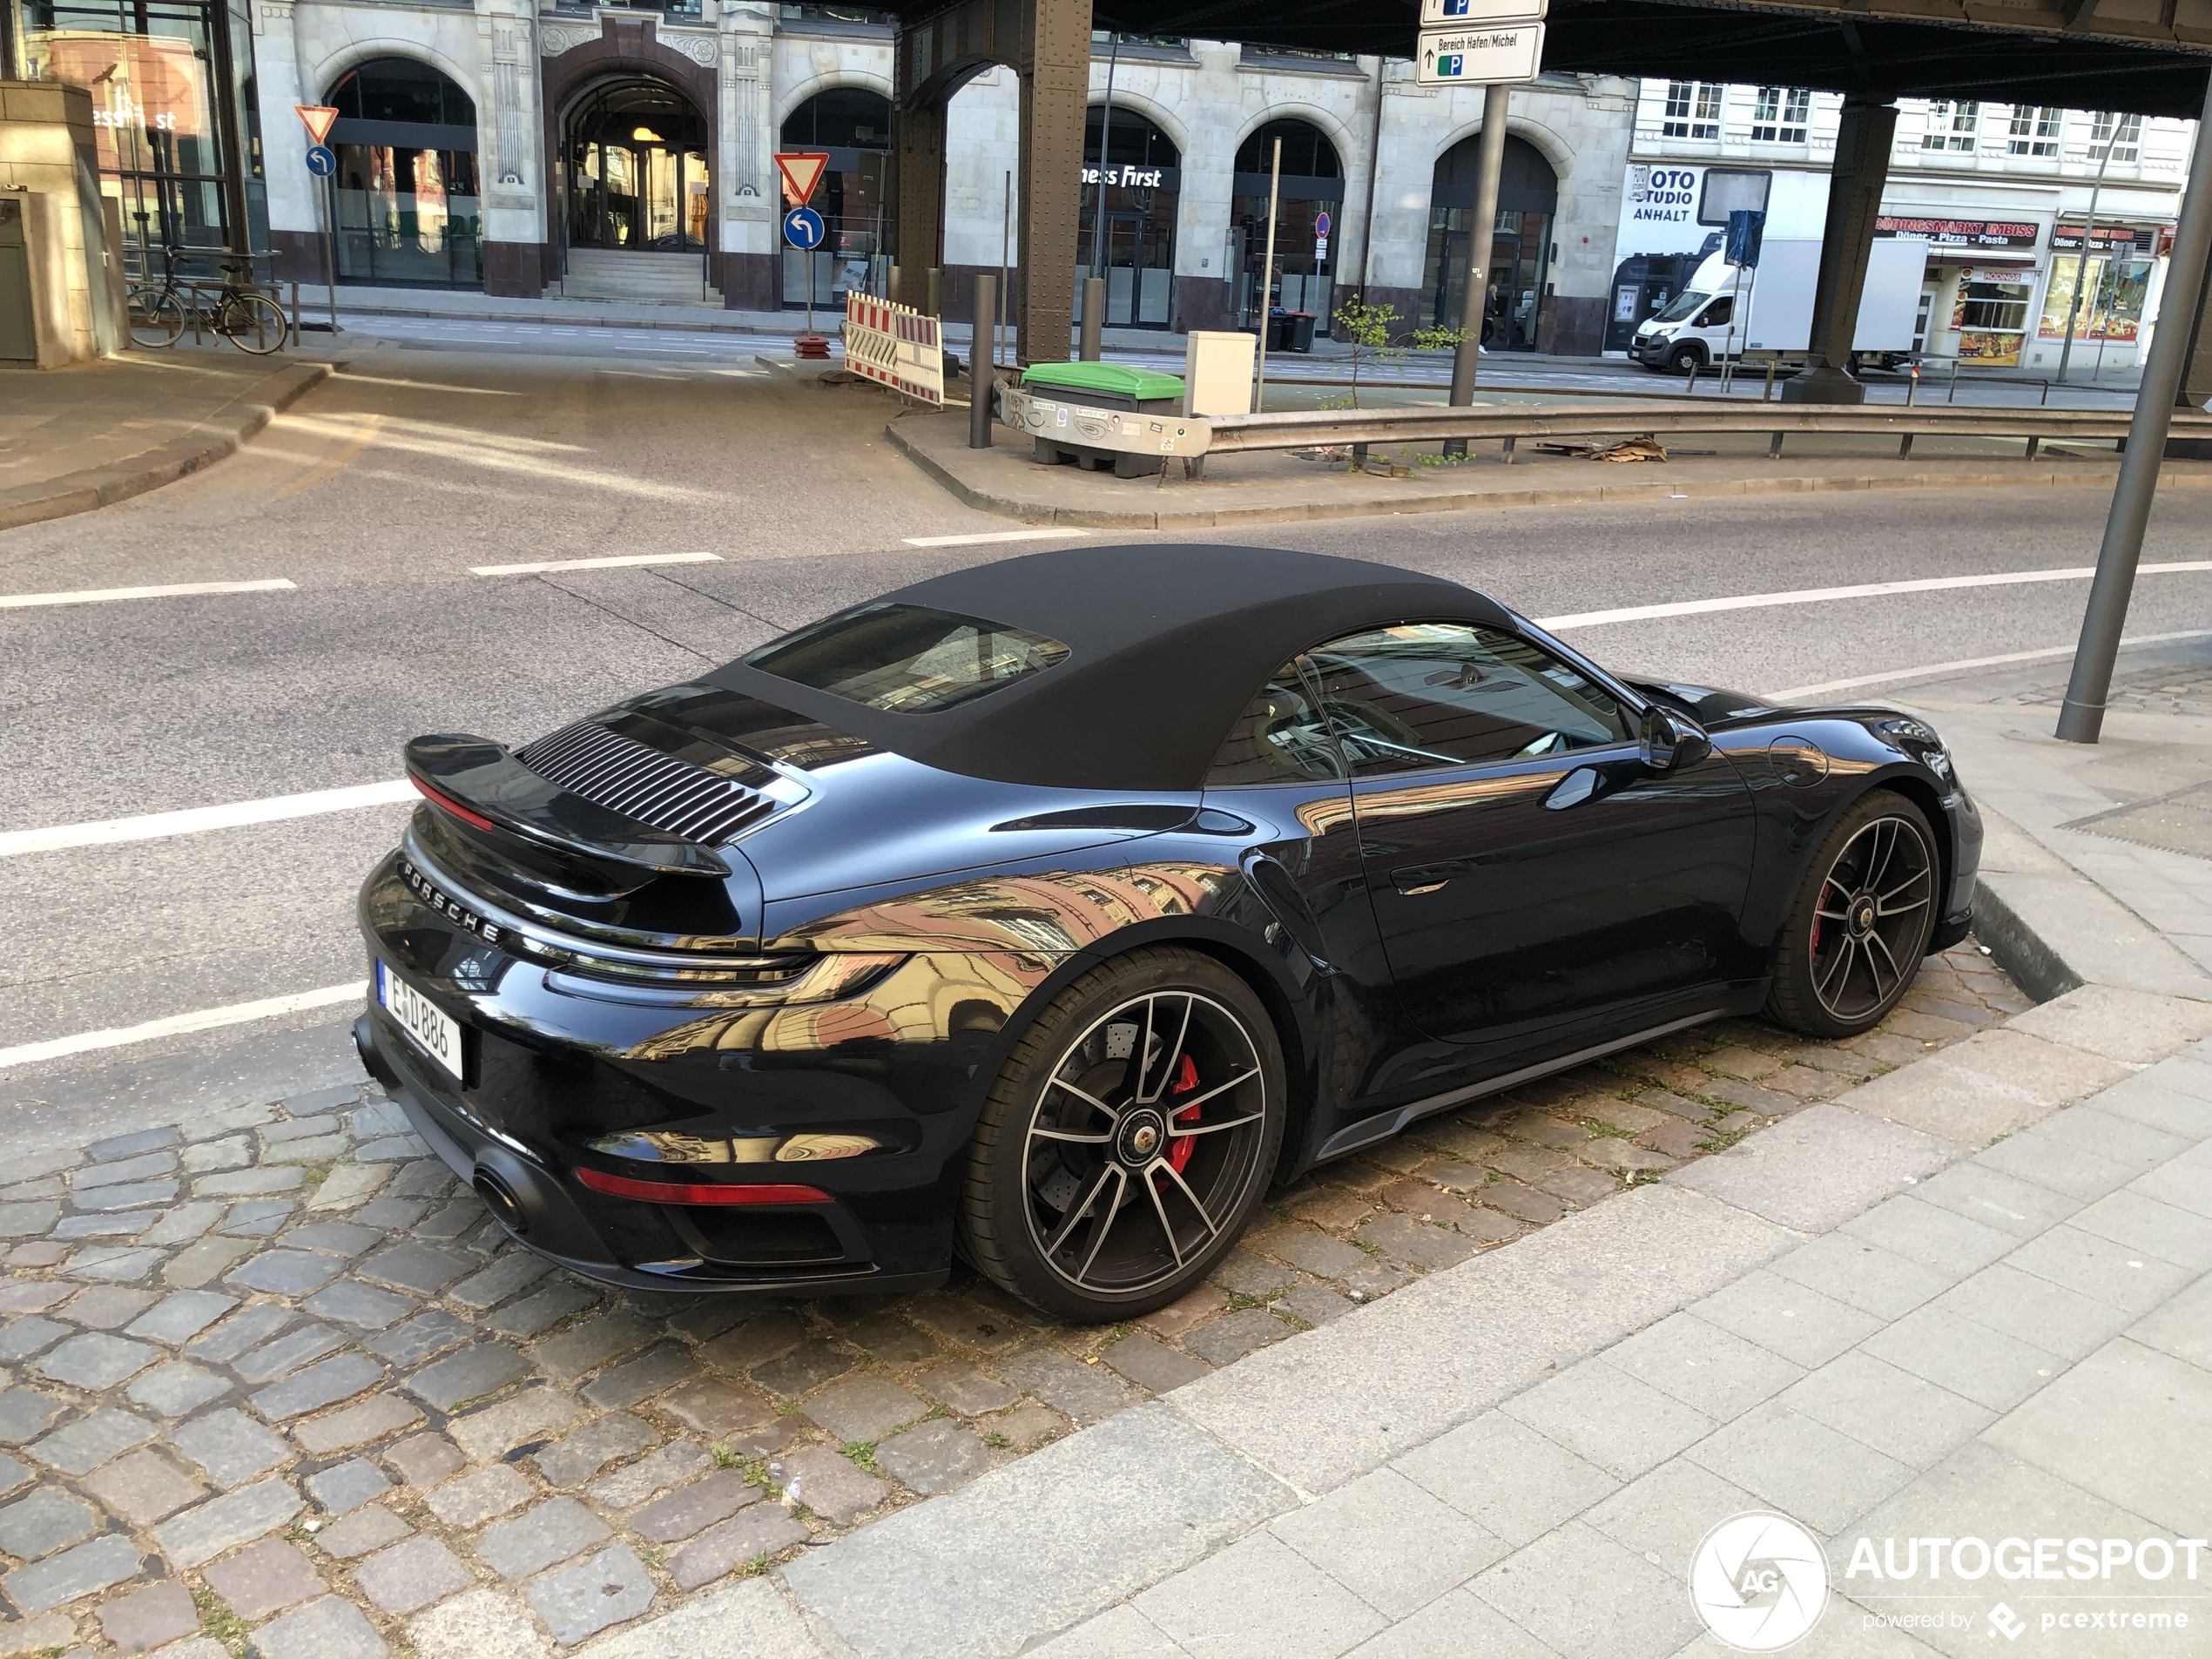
{"x":895,"y":346}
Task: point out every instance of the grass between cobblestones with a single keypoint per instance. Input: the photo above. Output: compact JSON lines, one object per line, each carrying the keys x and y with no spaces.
{"x":276,"y":1379}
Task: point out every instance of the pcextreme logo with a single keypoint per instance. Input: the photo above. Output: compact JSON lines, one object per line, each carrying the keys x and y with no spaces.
{"x":1759,"y":1581}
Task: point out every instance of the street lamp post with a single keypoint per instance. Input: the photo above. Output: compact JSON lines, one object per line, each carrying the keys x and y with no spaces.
{"x":2081,"y":716}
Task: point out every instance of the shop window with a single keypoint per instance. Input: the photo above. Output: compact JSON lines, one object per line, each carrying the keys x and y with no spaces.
{"x":1138,"y":168}
{"x":2035,"y":131}
{"x":1991,"y":316}
{"x":1781,"y":115}
{"x":407,"y":208}
{"x":1693,"y":109}
{"x":2124,"y":140}
{"x":1951,"y":127}
{"x":1520,"y":243}
{"x":1312,"y":187}
{"x":854,"y":125}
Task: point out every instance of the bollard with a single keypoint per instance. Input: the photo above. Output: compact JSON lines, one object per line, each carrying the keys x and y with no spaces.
{"x":1094,"y":316}
{"x":295,"y":316}
{"x":1905,"y":447}
{"x":1508,"y":455}
{"x":2034,"y":444}
{"x":1774,"y":449}
{"x":1692,"y":392}
{"x":981,"y":371}
{"x":936,"y":292}
{"x":1767,"y":396}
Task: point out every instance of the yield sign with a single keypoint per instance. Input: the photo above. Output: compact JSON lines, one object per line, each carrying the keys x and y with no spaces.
{"x":319,"y":117}
{"x":802,"y":171}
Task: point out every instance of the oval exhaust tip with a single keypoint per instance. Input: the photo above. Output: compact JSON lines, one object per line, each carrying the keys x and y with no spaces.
{"x":501,"y":1200}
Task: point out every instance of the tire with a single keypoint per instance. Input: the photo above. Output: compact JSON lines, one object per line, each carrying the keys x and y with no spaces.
{"x":1082,"y":1195}
{"x":1842,"y":965}
{"x":253,"y":323}
{"x":157,"y":318}
{"x":1683,"y":358}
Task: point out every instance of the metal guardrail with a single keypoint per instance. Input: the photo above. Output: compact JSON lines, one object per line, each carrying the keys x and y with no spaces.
{"x":1306,"y":430}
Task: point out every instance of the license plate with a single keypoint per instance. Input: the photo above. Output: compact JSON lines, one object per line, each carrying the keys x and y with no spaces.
{"x":435,"y":1033}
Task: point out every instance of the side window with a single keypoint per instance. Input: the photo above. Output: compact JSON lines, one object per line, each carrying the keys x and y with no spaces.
{"x":1718,"y":313}
{"x":1281,"y":738}
{"x":1447,"y":694}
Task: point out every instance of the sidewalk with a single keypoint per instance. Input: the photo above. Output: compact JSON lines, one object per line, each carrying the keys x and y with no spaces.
{"x":73,"y":439}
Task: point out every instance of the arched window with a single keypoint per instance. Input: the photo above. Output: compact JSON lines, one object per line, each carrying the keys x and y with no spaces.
{"x":854,"y":125}
{"x":638,"y":172}
{"x":1309,"y":201}
{"x":1519,"y":245}
{"x":406,"y":202}
{"x":1142,"y":181}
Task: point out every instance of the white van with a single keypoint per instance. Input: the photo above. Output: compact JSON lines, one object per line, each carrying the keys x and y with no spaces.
{"x":1727,"y":311}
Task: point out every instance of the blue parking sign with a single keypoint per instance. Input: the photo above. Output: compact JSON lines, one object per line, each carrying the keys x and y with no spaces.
{"x":803,"y":228}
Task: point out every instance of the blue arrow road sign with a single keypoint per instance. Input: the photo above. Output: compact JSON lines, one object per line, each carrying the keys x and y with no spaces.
{"x":803,"y":228}
{"x":322,"y":160}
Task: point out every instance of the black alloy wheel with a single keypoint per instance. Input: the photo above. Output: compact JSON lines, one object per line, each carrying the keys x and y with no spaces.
{"x":1862,"y":920}
{"x":1129,"y":1138}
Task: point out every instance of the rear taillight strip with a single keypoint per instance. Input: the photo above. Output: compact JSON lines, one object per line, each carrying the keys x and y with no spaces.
{"x":699,"y":1192}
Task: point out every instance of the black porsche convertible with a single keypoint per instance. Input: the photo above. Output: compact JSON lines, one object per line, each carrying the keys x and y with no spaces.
{"x":1051,"y":910}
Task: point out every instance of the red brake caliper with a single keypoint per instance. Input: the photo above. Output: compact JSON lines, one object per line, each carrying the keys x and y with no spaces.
{"x":1186,"y":1079}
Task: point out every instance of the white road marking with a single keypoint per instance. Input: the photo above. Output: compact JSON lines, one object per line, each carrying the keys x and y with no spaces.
{"x":175,"y":590}
{"x":177,"y":1025}
{"x":595,"y":564}
{"x":193,"y":820}
{"x":1929,"y":671}
{"x":992,"y":535}
{"x":1863,"y":590}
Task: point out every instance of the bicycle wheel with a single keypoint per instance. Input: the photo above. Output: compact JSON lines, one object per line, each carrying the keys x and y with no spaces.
{"x":157,"y":318}
{"x":253,"y":322}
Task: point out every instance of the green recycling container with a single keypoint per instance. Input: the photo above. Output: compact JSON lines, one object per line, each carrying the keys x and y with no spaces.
{"x":1108,"y":386}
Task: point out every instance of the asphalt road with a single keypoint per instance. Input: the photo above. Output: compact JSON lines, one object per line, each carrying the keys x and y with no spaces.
{"x":377,"y":494}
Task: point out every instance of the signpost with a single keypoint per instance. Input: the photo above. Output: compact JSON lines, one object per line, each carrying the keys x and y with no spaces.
{"x":803,"y":230}
{"x":322,"y":163}
{"x":1486,"y":55}
{"x":1322,"y":225}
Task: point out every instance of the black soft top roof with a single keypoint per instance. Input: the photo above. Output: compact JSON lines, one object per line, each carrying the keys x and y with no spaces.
{"x":1166,"y":644}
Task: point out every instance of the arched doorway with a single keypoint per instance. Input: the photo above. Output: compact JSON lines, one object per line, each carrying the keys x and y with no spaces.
{"x":854,"y":126}
{"x":1310,"y":200}
{"x":404,"y":198}
{"x":635,"y":152}
{"x":1142,"y":181}
{"x":1520,"y":243}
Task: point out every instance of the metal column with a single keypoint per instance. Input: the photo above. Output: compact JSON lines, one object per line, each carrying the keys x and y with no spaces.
{"x":1854,"y":202}
{"x":1483,"y":225}
{"x":1056,"y":95}
{"x":2081,"y":716}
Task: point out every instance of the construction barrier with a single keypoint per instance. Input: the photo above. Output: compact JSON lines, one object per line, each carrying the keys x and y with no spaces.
{"x":895,"y":346}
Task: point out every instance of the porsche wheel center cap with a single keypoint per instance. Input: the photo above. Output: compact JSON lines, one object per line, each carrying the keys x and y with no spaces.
{"x":1861,"y":915}
{"x":1142,"y":1134}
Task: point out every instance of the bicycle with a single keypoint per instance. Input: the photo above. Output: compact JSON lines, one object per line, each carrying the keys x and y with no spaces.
{"x":240,"y":313}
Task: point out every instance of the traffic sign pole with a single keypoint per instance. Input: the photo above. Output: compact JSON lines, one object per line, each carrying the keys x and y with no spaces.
{"x":319,"y":118}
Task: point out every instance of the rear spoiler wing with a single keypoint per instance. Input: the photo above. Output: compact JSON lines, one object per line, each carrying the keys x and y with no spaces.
{"x":482,"y":784}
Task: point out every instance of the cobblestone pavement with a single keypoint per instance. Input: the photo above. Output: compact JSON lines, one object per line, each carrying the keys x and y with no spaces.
{"x":276,"y":1382}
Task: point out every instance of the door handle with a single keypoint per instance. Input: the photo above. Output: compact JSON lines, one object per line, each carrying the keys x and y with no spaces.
{"x":1417,"y":878}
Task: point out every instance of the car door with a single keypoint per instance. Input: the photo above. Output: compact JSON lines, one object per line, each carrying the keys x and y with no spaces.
{"x":1535,"y":884}
{"x":1281,"y":770}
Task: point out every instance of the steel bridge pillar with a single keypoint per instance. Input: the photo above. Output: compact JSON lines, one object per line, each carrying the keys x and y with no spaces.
{"x":1846,"y":244}
{"x":2196,"y":377}
{"x":1047,"y":42}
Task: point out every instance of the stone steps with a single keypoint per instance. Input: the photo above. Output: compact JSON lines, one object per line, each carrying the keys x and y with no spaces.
{"x":638,"y":278}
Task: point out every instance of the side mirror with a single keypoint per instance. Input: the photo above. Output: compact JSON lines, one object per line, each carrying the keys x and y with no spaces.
{"x":1672,"y":741}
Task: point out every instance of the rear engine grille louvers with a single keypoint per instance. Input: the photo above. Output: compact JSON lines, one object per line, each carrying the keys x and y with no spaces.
{"x":626,"y":777}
